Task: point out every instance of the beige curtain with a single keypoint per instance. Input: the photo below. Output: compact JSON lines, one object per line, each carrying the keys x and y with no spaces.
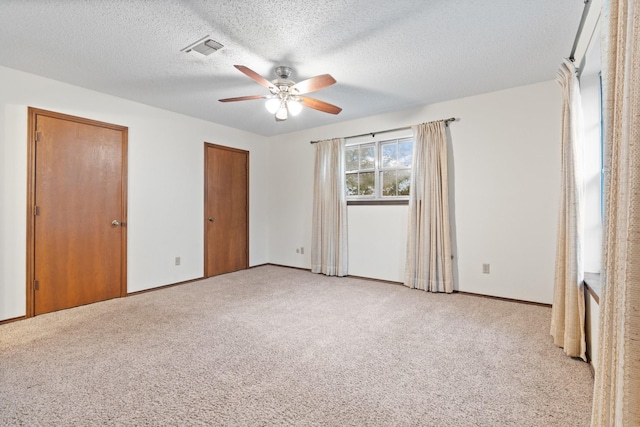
{"x":616,"y":400}
{"x":567,"y":315}
{"x":329,"y":233}
{"x":429,"y":239}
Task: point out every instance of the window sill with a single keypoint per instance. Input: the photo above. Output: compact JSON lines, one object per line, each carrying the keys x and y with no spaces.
{"x":376,"y":202}
{"x":593,"y":285}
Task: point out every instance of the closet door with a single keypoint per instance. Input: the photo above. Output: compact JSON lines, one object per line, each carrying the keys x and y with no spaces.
{"x":226,"y":210}
{"x":78,"y":234}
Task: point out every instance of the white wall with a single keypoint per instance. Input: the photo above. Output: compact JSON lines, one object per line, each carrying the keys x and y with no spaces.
{"x":504,"y":165}
{"x":165,"y":188}
{"x":378,"y":241}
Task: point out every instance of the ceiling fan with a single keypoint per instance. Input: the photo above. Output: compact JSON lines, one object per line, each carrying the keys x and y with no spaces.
{"x":286,"y":95}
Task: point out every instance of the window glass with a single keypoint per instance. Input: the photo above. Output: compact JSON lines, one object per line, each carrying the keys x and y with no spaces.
{"x":367,"y":157}
{"x":405,"y":153}
{"x":352,"y":184}
{"x":389,"y":183}
{"x":352,"y":158}
{"x":404,"y":182}
{"x":367,"y":184}
{"x":389,"y":155}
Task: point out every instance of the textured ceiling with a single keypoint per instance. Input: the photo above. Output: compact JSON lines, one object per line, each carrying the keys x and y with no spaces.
{"x":386,"y":56}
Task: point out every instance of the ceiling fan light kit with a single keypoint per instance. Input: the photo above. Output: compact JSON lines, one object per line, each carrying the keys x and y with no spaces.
{"x":286,"y":95}
{"x":294,"y":106}
{"x":282,"y":106}
{"x":282,"y":113}
{"x":273,"y":105}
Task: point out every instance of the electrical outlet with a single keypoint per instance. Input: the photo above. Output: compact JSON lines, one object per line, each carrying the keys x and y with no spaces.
{"x":302,"y":250}
{"x":177,"y":260}
{"x":486,"y":268}
{"x":297,"y":250}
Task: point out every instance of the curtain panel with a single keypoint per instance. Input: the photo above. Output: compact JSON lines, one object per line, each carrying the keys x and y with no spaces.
{"x":429,"y":265}
{"x":329,"y":225}
{"x":616,"y":400}
{"x":568,"y":312}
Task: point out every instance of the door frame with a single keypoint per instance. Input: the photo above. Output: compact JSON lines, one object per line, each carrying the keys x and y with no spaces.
{"x":33,"y":113}
{"x":206,"y":202}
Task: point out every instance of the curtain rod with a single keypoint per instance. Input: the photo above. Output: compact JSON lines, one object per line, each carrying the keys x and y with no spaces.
{"x":446,"y":123}
{"x":583,"y":19}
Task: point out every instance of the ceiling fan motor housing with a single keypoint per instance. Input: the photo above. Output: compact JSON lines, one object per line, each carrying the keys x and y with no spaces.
{"x":283,"y":83}
{"x":284,"y":72}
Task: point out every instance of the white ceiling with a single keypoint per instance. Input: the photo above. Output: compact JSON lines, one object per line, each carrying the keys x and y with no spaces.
{"x":385,"y":55}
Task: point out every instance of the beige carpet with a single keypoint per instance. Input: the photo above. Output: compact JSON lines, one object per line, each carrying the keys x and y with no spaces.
{"x":277,"y":346}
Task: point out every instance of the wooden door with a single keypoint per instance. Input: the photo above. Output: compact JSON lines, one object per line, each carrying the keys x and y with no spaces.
{"x":226,"y":210}
{"x":79,"y":211}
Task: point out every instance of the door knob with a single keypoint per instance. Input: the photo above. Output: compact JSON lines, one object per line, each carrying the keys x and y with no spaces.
{"x":211,"y":219}
{"x":116,"y":223}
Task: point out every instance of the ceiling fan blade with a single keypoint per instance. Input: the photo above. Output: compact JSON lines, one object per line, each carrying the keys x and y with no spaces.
{"x":316,"y":104}
{"x":242,"y":98}
{"x":257,"y":77}
{"x":313,"y":84}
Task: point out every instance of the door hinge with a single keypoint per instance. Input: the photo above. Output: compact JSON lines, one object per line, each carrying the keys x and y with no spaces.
{"x":36,"y":285}
{"x":38,"y":136}
{"x":36,"y":210}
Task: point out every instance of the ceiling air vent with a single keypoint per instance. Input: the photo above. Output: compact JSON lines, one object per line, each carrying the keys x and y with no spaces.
{"x":205,"y":47}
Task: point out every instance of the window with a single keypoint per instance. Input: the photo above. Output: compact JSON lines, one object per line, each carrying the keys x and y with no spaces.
{"x":601,"y":149}
{"x":379,"y":170}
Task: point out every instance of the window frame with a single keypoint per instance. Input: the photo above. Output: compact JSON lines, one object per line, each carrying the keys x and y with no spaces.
{"x":378,"y":142}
